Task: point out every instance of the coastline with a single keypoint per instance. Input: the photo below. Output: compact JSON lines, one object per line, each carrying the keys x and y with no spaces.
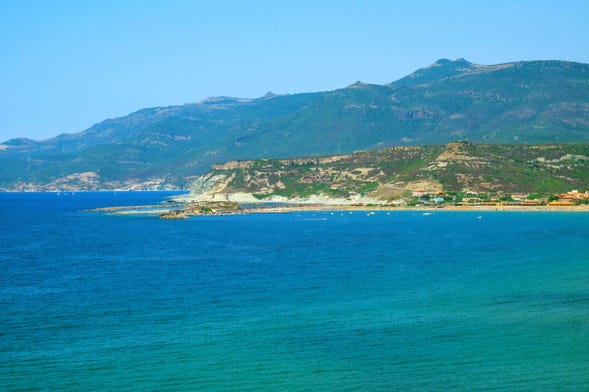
{"x":249,"y":204}
{"x":185,"y":206}
{"x":180,"y":213}
{"x":332,"y":207}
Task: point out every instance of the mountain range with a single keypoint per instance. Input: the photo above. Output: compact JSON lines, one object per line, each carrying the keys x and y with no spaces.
{"x":527,"y":102}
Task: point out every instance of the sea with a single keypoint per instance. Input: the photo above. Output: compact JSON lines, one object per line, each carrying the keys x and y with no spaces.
{"x":301,"y":301}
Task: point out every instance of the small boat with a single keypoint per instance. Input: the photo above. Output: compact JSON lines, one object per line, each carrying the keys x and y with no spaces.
{"x":427,"y":213}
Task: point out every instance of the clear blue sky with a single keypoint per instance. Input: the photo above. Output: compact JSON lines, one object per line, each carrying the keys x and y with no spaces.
{"x":66,"y":65}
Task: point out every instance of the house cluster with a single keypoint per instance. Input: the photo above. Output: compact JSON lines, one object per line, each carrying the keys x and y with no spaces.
{"x":515,"y":199}
{"x":420,"y":192}
{"x":570,"y":198}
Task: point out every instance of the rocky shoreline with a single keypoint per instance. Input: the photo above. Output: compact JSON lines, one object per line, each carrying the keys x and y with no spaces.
{"x":175,"y":210}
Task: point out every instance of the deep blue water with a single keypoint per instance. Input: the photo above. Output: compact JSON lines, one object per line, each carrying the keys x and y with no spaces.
{"x":300,"y":301}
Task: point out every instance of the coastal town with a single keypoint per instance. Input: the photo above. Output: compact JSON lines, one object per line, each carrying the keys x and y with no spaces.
{"x":421,"y":199}
{"x":472,"y":198}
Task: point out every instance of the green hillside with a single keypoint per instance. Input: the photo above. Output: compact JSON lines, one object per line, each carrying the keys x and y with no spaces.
{"x":518,"y":103}
{"x":390,"y":173}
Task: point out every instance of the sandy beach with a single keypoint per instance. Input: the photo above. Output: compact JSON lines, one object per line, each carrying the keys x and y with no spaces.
{"x":331,"y":207}
{"x":278,"y":208}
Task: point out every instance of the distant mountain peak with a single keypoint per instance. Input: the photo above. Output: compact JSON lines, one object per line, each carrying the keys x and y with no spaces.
{"x":443,"y":68}
{"x":357,"y":84}
{"x":269,"y":95}
{"x":444,"y":61}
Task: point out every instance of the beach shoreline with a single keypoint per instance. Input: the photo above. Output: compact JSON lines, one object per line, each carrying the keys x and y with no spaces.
{"x":249,"y":204}
{"x":474,"y":208}
{"x":290,"y":208}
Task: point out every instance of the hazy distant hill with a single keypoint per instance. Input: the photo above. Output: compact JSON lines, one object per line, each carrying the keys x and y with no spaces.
{"x":522,"y":102}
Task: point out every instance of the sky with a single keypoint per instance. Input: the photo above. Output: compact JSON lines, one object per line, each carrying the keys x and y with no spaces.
{"x":66,"y":65}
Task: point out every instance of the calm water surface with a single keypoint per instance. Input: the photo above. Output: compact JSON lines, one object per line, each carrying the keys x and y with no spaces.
{"x":301,"y":301}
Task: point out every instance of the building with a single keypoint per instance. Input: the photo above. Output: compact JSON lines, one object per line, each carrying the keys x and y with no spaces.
{"x":559,"y":203}
{"x":572,"y":196}
{"x":530,"y":202}
{"x":419,"y":192}
{"x":519,"y":196}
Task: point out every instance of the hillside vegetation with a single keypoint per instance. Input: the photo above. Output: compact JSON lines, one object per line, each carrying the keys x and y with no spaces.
{"x":392,"y":173}
{"x":167,"y":147}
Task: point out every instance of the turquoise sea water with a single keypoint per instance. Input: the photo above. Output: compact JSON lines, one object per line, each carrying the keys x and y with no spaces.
{"x":303,"y":301}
